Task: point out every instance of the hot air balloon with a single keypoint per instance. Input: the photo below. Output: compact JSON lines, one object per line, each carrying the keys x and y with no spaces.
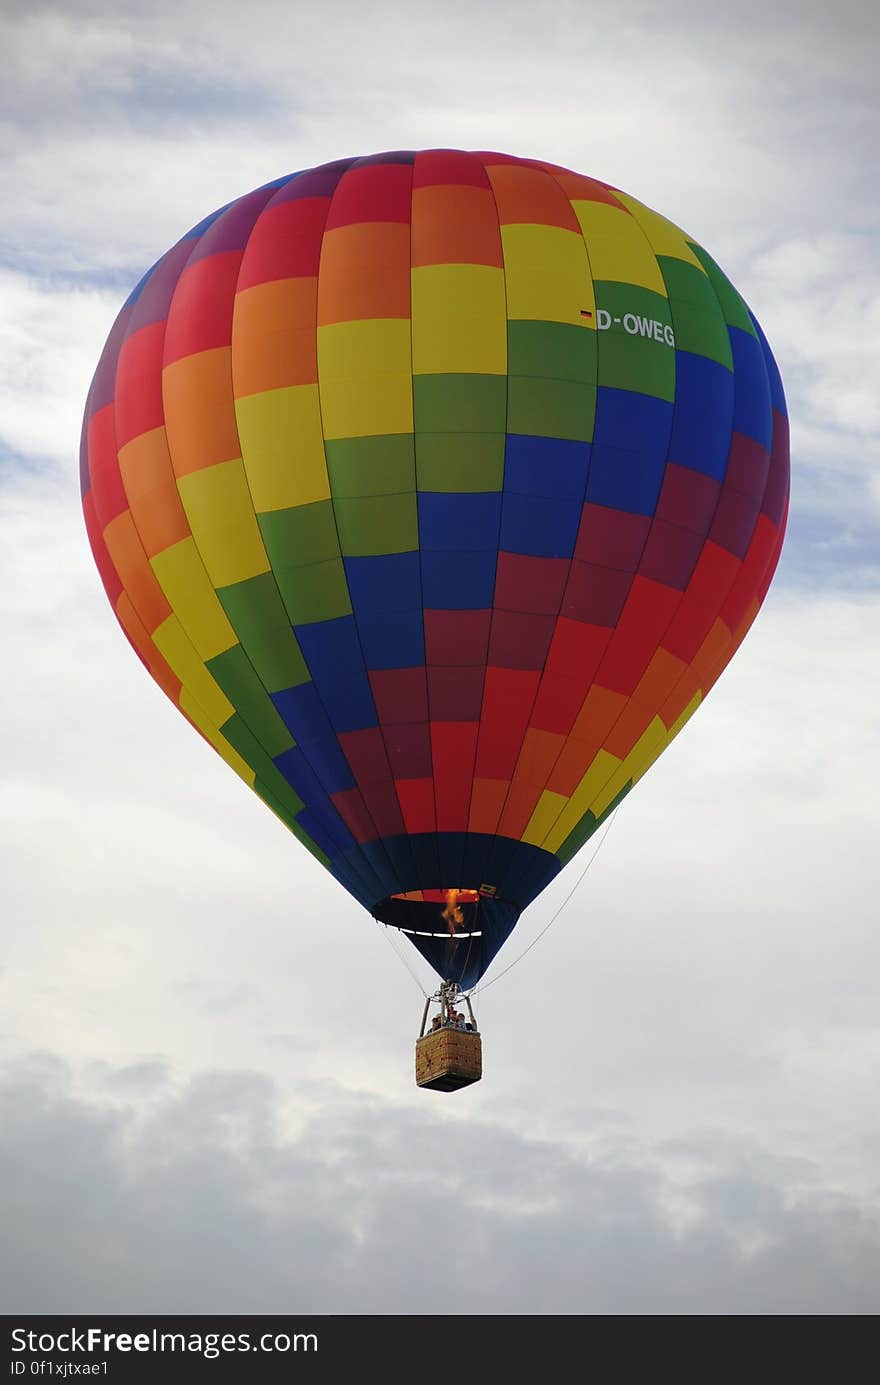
{"x":436,"y":490}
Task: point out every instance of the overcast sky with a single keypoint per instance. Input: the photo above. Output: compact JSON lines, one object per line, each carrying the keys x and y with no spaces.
{"x":206,"y":1097}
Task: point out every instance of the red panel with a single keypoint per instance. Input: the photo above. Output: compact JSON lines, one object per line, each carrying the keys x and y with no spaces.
{"x":576,"y":649}
{"x":107,"y":488}
{"x":285,"y":242}
{"x":139,"y":384}
{"x":748,"y":579}
{"x":702,"y":601}
{"x":200,"y":317}
{"x":508,"y":698}
{"x":734,"y":521}
{"x":409,"y":749}
{"x":365,"y":752}
{"x":453,"y":744}
{"x":416,"y":797}
{"x":435,"y":166}
{"x":558,"y":702}
{"x":747,"y":466}
{"x":611,"y":538}
{"x":455,"y":694}
{"x":670,"y":554}
{"x":457,"y":637}
{"x":776,"y":494}
{"x":687,"y":498}
{"x":108,"y":574}
{"x":525,"y":583}
{"x":377,"y":192}
{"x":400,"y":694}
{"x":646,"y":615}
{"x":520,"y":640}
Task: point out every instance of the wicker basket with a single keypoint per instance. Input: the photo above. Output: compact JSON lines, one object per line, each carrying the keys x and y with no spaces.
{"x":448,"y":1058}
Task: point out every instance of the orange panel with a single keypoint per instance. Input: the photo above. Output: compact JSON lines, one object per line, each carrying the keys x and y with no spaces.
{"x":364,"y":273}
{"x":273,"y":336}
{"x":530,"y":195}
{"x":712,"y":649}
{"x":487,"y":800}
{"x":138,"y":578}
{"x":161,"y":671}
{"x":683,"y":694}
{"x":573,"y":763}
{"x":455,"y":225}
{"x":199,"y":413}
{"x":601,"y":709}
{"x":632,"y":723}
{"x":658,"y":680}
{"x":148,"y":478}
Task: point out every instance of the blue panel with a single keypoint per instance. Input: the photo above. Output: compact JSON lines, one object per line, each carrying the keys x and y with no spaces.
{"x":546,"y":466}
{"x":324,"y":826}
{"x":303,"y":714}
{"x":391,"y":582}
{"x":539,"y":525}
{"x":632,"y":422}
{"x":751,"y":400}
{"x":777,"y":393}
{"x":625,"y":480}
{"x":392,"y":639}
{"x":301,"y":776}
{"x":459,"y":522}
{"x":458,"y":581}
{"x":703,"y":415}
{"x":333,"y":653}
{"x":382,"y":866}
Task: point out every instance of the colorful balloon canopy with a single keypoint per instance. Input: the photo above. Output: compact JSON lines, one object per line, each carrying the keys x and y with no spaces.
{"x":436,"y":490}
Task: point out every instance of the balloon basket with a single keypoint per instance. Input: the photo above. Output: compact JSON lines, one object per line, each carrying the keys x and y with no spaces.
{"x":450,"y":1054}
{"x":447,"y":1059}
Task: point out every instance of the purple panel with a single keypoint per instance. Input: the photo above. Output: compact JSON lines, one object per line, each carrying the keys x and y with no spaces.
{"x":455,"y":694}
{"x":409,"y":750}
{"x":457,"y":637}
{"x":747,"y":466}
{"x":595,"y":595}
{"x":400,"y":694}
{"x":397,"y":156}
{"x":231,"y":230}
{"x":688,"y":498}
{"x":671,"y":554}
{"x":155,"y":298}
{"x":611,"y":538}
{"x":734,"y":521}
{"x":103,"y":388}
{"x":525,"y":583}
{"x":776,"y":493}
{"x":318,"y":182}
{"x":519,"y":639}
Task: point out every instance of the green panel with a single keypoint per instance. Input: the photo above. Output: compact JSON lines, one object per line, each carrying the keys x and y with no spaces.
{"x":554,"y":349}
{"x":242,"y":739}
{"x":302,"y":534}
{"x":551,"y":408}
{"x":377,"y":524}
{"x":266,"y":794}
{"x":234,"y":673}
{"x":459,"y":403}
{"x":696,"y":313}
{"x":316,"y":592}
{"x":259,"y":619}
{"x":462,"y":462}
{"x":382,"y":465}
{"x":630,"y":356}
{"x":736,"y":314}
{"x":587,"y":826}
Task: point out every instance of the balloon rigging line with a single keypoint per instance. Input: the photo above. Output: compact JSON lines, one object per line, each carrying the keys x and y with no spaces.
{"x":554,"y":916}
{"x":387,"y":932}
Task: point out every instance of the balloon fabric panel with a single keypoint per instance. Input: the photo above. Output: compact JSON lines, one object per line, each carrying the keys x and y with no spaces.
{"x":437,"y":490}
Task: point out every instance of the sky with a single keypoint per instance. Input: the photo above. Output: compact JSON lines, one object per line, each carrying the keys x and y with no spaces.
{"x":206,"y":1092}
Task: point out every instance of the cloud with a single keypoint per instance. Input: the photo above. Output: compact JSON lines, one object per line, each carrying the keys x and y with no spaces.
{"x":196,"y":1197}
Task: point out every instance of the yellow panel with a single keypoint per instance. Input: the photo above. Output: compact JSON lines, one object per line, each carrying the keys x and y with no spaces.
{"x":549,"y":806}
{"x":283,"y":447}
{"x":547,"y":274}
{"x":459,"y":320}
{"x":617,"y":246}
{"x":365,"y":378}
{"x":221,"y":515}
{"x":596,"y":776}
{"x":181,"y":575}
{"x":642,"y":755}
{"x":196,"y":713}
{"x":666,"y":238}
{"x":172,"y":642}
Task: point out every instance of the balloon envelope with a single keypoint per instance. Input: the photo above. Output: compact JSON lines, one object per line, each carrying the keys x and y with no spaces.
{"x":437,"y":490}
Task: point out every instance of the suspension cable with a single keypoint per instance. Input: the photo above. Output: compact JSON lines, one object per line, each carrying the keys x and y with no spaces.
{"x":387,"y":931}
{"x":479,"y":990}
